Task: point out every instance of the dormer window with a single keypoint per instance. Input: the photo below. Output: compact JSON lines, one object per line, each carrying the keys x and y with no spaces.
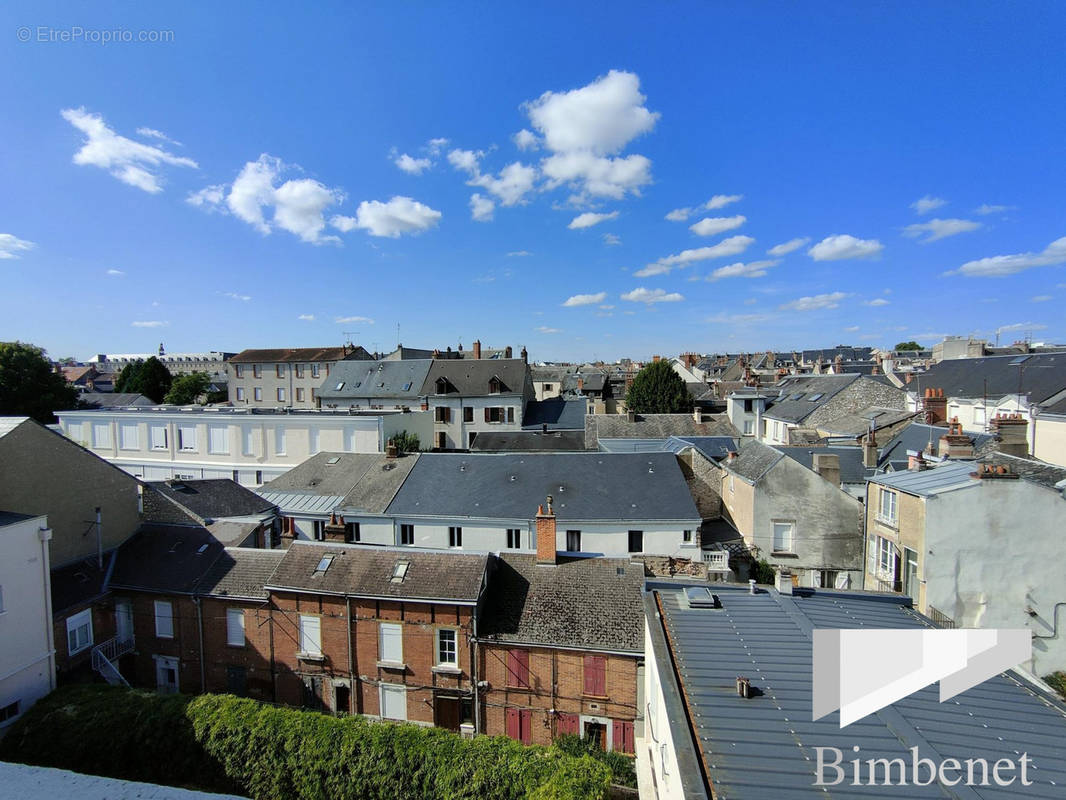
{"x":442,"y":385}
{"x":495,"y":386}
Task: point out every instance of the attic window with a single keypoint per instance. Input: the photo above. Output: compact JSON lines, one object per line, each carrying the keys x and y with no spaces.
{"x":332,"y":460}
{"x":797,"y":396}
{"x":399,"y":572}
{"x":815,"y":397}
{"x":442,"y":386}
{"x":407,"y":386}
{"x":200,"y":550}
{"x":1018,"y":360}
{"x":340,"y":385}
{"x":323,"y":564}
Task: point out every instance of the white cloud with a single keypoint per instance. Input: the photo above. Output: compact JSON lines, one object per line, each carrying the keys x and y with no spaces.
{"x":712,"y":226}
{"x":753,"y":269}
{"x":939,"y":229}
{"x":835,"y":248}
{"x":722,"y":200}
{"x":518,"y":253}
{"x":611,"y":239}
{"x":210,"y":197}
{"x":465,"y":160}
{"x":12,"y":246}
{"x":410,"y":165}
{"x":879,"y":301}
{"x":727,"y":247}
{"x":585,"y":299}
{"x":1041,"y":298}
{"x":115,"y":273}
{"x":928,"y":203}
{"x":589,"y":218}
{"x":679,"y":214}
{"x":299,"y":207}
{"x":235,"y":296}
{"x":526,"y":140}
{"x":815,"y":302}
{"x":398,"y":216}
{"x":546,"y":329}
{"x":998,"y":266}
{"x":481,"y":208}
{"x":306,"y":317}
{"x":738,"y":319}
{"x":152,"y":133}
{"x":149,"y":323}
{"x":134,"y":163}
{"x":986,"y":209}
{"x":852,"y":328}
{"x":1021,"y":326}
{"x":365,"y":320}
{"x":510,"y":186}
{"x":606,"y":306}
{"x":436,"y":145}
{"x":598,"y":176}
{"x":785,"y":248}
{"x":642,"y":295}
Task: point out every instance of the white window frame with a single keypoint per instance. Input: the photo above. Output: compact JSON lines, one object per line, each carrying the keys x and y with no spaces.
{"x":240,"y":394}
{"x":76,"y":624}
{"x":164,"y":619}
{"x":279,"y":441}
{"x":454,"y":634}
{"x":886,"y":558}
{"x":235,"y":636}
{"x":129,"y":436}
{"x":281,"y":393}
{"x":396,"y":690}
{"x":310,"y":629}
{"x":891,"y":516}
{"x":257,"y":394}
{"x":213,"y":446}
{"x":186,"y":438}
{"x":791,"y":540}
{"x":154,"y":441}
{"x":390,"y":643}
{"x":248,"y":440}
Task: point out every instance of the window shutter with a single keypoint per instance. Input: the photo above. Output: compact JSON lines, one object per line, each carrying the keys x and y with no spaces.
{"x":566,"y":723}
{"x":513,"y":730}
{"x":871,"y":555}
{"x":488,"y":415}
{"x":518,"y":668}
{"x":525,"y":720}
{"x":595,"y":676}
{"x":622,"y":736}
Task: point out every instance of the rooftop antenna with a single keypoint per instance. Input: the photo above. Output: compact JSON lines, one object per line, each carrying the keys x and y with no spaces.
{"x":397,"y":335}
{"x":349,"y":334}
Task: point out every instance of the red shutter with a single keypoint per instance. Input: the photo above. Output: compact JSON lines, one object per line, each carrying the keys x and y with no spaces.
{"x":566,"y":723}
{"x":488,"y":416}
{"x":595,"y":676}
{"x":513,"y":723}
{"x":518,"y":668}
{"x":526,"y":716}
{"x":623,"y":736}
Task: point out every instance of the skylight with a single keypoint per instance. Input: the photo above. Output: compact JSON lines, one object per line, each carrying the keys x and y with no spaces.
{"x":407,"y":386}
{"x":333,"y":460}
{"x":324,"y":563}
{"x":340,"y":385}
{"x":399,"y":572}
{"x":1019,"y":360}
{"x":797,"y":396}
{"x":816,"y":397}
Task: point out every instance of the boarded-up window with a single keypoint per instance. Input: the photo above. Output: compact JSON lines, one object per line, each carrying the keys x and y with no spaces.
{"x":518,"y":668}
{"x":596,"y":676}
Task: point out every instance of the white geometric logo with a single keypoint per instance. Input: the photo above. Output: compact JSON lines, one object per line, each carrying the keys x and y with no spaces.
{"x":860,"y":671}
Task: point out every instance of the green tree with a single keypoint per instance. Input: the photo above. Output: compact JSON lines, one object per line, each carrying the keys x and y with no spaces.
{"x":150,"y":378}
{"x":657,"y":389}
{"x":125,"y":376}
{"x":908,"y":346}
{"x":406,"y":442}
{"x":29,"y":386}
{"x":185,"y":389}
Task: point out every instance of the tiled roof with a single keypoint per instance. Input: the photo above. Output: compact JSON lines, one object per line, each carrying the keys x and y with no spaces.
{"x":165,"y":558}
{"x":368,"y":572}
{"x":241,"y":572}
{"x":918,"y":436}
{"x":587,"y":603}
{"x":556,"y":413}
{"x":653,"y":426}
{"x":469,"y":377}
{"x":1028,"y":468}
{"x":363,"y":481}
{"x":852,"y":469}
{"x":802,"y":395}
{"x":293,"y":354}
{"x":528,"y":441}
{"x":109,"y":399}
{"x":213,"y":498}
{"x":399,"y":380}
{"x":859,"y":423}
{"x":80,"y":582}
{"x":753,"y":460}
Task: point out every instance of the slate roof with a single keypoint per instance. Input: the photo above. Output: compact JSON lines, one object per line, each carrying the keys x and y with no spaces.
{"x":556,"y":413}
{"x":844,"y":351}
{"x":79,"y":583}
{"x":851,"y":466}
{"x":529,"y":441}
{"x":763,"y":747}
{"x":11,"y":517}
{"x":859,"y":423}
{"x":165,"y":558}
{"x":1029,"y":469}
{"x":213,"y":498}
{"x":580,"y":602}
{"x":241,"y":572}
{"x":653,"y":426}
{"x":592,"y":381}
{"x":294,"y":354}
{"x":917,"y":436}
{"x":469,"y":377}
{"x":585,"y":486}
{"x":384,"y":380}
{"x":753,"y":460}
{"x":109,"y":399}
{"x":363,"y":481}
{"x":713,"y":447}
{"x":1040,"y":376}
{"x":8,"y":424}
{"x":367,"y":572}
{"x":944,"y":477}
{"x":795,"y":403}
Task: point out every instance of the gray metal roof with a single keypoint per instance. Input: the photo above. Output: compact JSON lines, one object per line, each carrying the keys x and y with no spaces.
{"x":944,"y":477}
{"x":375,"y":380}
{"x":917,"y":436}
{"x":713,"y":447}
{"x":585,"y":486}
{"x":852,"y":470}
{"x":763,"y":747}
{"x":294,"y":502}
{"x":528,"y":441}
{"x":1039,"y":375}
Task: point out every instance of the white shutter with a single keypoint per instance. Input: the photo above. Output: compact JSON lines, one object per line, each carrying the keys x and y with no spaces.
{"x":158,"y":436}
{"x":310,"y":634}
{"x":101,"y":434}
{"x":391,"y":641}
{"x":218,"y":439}
{"x":186,"y":437}
{"x":127,"y":436}
{"x":235,"y":627}
{"x":393,"y":702}
{"x":279,"y":441}
{"x":248,"y":435}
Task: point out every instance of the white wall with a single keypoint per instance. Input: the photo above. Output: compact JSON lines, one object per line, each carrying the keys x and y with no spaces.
{"x":1049,"y":439}
{"x":26,"y":665}
{"x":458,"y":432}
{"x":658,"y":738}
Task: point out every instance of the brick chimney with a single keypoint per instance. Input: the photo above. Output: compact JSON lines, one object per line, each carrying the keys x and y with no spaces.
{"x":391,"y":450}
{"x":954,"y":443}
{"x":1012,"y":431}
{"x":917,"y":462}
{"x":935,"y":406}
{"x":992,"y":472}
{"x":580,"y":384}
{"x":525,"y":355}
{"x":656,"y":358}
{"x":546,"y":534}
{"x":477,"y":348}
{"x":869,"y":450}
{"x":508,"y":352}
{"x":425,"y":404}
{"x":334,"y":529}
{"x":828,"y":466}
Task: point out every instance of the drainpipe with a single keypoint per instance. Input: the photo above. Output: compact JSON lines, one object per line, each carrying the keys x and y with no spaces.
{"x":200,"y":629}
{"x":351,"y":670}
{"x":99,"y":541}
{"x":45,"y":535}
{"x":474,"y":675}
{"x":273,"y":671}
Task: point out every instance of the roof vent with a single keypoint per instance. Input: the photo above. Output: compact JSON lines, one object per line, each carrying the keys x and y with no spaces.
{"x":701,"y":597}
{"x":332,"y":460}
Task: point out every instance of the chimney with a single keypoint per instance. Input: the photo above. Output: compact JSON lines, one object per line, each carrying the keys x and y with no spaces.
{"x":954,"y":443}
{"x":525,"y":355}
{"x":334,"y":529}
{"x":908,"y":377}
{"x":697,"y":415}
{"x":783,"y":581}
{"x":546,"y":534}
{"x":731,"y":457}
{"x":916,"y":462}
{"x":990,"y":472}
{"x":631,"y":416}
{"x":869,"y":450}
{"x":828,"y":466}
{"x":436,"y":353}
{"x":425,"y":404}
{"x":544,"y":427}
{"x":477,"y":348}
{"x":508,"y":352}
{"x":656,"y":358}
{"x":936,"y":406}
{"x":391,"y":450}
{"x":1012,"y":432}
{"x":580,"y":384}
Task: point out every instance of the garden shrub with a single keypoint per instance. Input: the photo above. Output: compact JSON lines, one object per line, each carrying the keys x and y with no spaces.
{"x":623,"y":768}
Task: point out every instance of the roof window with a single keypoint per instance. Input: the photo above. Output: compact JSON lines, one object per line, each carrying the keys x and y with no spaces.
{"x":399,"y":572}
{"x":323,"y":564}
{"x":340,"y":385}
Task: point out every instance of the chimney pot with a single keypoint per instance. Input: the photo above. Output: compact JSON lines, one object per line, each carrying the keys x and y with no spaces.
{"x":784,"y":580}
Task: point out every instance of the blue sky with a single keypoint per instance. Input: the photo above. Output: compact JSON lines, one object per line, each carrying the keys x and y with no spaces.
{"x":270,"y":178}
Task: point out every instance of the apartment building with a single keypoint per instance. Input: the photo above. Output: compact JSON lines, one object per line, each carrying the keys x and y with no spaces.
{"x":285,"y":377}
{"x":213,"y":362}
{"x":468,"y":396}
{"x":250,"y":446}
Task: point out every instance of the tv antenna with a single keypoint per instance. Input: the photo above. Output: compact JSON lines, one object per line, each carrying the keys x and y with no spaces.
{"x":348,"y":336}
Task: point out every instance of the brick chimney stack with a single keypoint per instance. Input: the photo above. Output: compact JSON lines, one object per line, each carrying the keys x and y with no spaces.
{"x":869,"y":450}
{"x":1012,"y":431}
{"x":477,"y":348}
{"x":525,"y":355}
{"x":508,"y":352}
{"x":935,"y":406}
{"x":954,"y":443}
{"x":391,"y":450}
{"x":545,"y":523}
{"x":334,"y":529}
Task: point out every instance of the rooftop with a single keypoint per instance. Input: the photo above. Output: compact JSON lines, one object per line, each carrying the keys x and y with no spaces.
{"x":212,"y":498}
{"x":1039,"y":376}
{"x":470,"y":377}
{"x":802,"y":395}
{"x":529,"y":441}
{"x":918,"y":436}
{"x":165,"y":558}
{"x":944,"y":477}
{"x":384,"y":380}
{"x":241,"y":572}
{"x":80,"y":582}
{"x":852,"y":469}
{"x":653,"y":426}
{"x":556,"y":413}
{"x":296,"y":354}
{"x":363,"y":481}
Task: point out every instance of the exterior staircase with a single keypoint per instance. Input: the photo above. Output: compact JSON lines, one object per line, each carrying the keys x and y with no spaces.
{"x":106,"y":656}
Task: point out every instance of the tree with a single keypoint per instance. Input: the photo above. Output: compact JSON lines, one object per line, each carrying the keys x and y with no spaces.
{"x":908,"y":346}
{"x":657,"y":389}
{"x":150,"y":378}
{"x":125,"y":376}
{"x":185,"y":389}
{"x":406,"y":442}
{"x":29,"y":386}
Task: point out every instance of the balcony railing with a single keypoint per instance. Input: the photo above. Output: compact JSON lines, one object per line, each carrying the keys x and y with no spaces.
{"x":106,"y":654}
{"x":716,"y":560}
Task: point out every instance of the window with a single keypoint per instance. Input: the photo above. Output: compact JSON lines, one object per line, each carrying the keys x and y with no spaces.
{"x":351,"y":532}
{"x":318,"y":530}
{"x":279,"y":370}
{"x":828,"y":578}
{"x":494,"y":386}
{"x":636,"y":541}
{"x":573,"y":541}
{"x":783,"y":534}
{"x":315,"y":436}
{"x":390,"y":642}
{"x":314,"y":370}
{"x":443,"y":414}
{"x":339,"y":386}
{"x":164,"y":619}
{"x":393,"y":701}
{"x":237,"y":681}
{"x":257,"y":370}
{"x":455,"y":537}
{"x":279,"y":441}
{"x":127,"y":436}
{"x":235,"y":627}
{"x":749,"y":427}
{"x":518,"y":668}
{"x":218,"y":439}
{"x":258,"y":477}
{"x":407,"y":534}
{"x":519,"y":724}
{"x":240,"y":394}
{"x":281,"y":395}
{"x":596,"y":676}
{"x":101,"y":434}
{"x":886,"y":509}
{"x":510,"y":413}
{"x":187,"y":438}
{"x":236,"y":476}
{"x":468,"y":414}
{"x":157,"y":436}
{"x":886,"y":556}
{"x":258,"y":394}
{"x":494,"y":414}
{"x":447,"y":647}
{"x":299,"y":394}
{"x":299,"y":370}
{"x":514,"y":538}
{"x":310,"y":635}
{"x":9,"y":712}
{"x":238,"y":371}
{"x":248,"y":440}
{"x":548,"y":387}
{"x":686,"y":536}
{"x":79,"y":631}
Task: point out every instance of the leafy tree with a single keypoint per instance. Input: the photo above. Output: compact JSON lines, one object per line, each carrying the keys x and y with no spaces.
{"x":762,"y":572}
{"x":185,"y":389}
{"x":908,"y":346}
{"x":125,"y":376}
{"x":150,"y":378}
{"x":657,"y":389}
{"x":29,"y":386}
{"x":406,"y":442}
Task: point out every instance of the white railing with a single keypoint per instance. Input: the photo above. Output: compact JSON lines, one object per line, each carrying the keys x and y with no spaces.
{"x":716,"y":560}
{"x":106,"y":654}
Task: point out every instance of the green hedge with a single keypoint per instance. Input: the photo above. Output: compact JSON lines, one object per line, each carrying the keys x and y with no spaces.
{"x":228,"y":744}
{"x":623,"y":768}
